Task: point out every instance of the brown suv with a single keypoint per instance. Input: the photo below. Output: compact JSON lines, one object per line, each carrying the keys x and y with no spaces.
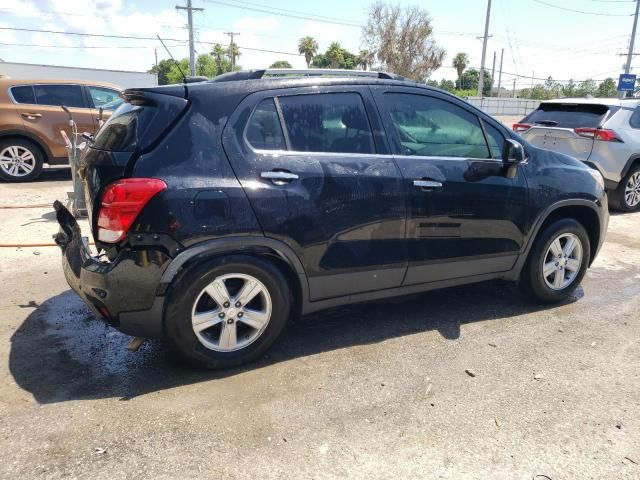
{"x":31,"y":120}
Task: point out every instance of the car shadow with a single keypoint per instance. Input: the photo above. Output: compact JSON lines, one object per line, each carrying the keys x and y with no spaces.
{"x":61,"y":352}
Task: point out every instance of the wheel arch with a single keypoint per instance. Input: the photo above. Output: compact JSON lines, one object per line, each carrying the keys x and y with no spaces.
{"x":273,"y":251}
{"x":583,"y":211}
{"x":23,"y":134}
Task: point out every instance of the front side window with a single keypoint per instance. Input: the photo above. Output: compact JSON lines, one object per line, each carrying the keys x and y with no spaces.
{"x":264,"y":131}
{"x":105,"y":98}
{"x":327,"y":122}
{"x":428,"y":126}
{"x":23,"y":94}
{"x":495,"y":139}
{"x":58,"y":95}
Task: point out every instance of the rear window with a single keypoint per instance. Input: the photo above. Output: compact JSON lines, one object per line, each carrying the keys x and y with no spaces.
{"x":567,"y":115}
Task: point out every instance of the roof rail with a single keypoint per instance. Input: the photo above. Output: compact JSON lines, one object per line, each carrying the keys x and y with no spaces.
{"x":311,"y":72}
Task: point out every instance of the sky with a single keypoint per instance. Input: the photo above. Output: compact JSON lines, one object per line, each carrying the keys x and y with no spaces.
{"x":564,"y":39}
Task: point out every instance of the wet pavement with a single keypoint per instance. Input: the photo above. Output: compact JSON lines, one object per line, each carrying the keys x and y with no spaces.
{"x":373,"y":390}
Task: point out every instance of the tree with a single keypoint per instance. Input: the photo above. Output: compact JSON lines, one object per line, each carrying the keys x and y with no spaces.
{"x":402,"y":40}
{"x":280,"y":64}
{"x":447,"y":85}
{"x":334,"y":55}
{"x":205,"y":66}
{"x":586,"y":87}
{"x":233,"y":51}
{"x":460,"y":62}
{"x":470,"y":79}
{"x":162,"y":70}
{"x":607,"y":88}
{"x":308,"y":47}
{"x":220,"y":60}
{"x":365,"y":59}
{"x":569,"y":90}
{"x":346,"y":59}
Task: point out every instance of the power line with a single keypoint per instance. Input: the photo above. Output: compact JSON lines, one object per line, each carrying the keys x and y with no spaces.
{"x":133,"y":37}
{"x":288,"y":10}
{"x":284,"y":14}
{"x":83,"y":46}
{"x":583,"y":11}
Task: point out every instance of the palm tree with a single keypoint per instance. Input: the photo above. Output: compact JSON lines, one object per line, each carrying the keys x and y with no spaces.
{"x":460,"y":62}
{"x":308,"y":47}
{"x":365,"y":59}
{"x":234,"y":52}
{"x":334,"y":54}
{"x":218,"y":52}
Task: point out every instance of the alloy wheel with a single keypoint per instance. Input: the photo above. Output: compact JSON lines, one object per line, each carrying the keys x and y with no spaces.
{"x":562,"y":262}
{"x":231,"y":312}
{"x":632,"y":190}
{"x":17,"y":161}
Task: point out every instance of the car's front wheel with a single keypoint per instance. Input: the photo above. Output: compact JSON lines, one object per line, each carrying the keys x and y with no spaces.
{"x":228,"y":311}
{"x":20,"y":160}
{"x":557,"y":262}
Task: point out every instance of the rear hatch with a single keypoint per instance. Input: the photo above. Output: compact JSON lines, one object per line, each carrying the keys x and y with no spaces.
{"x":134,"y":128}
{"x":564,"y":127}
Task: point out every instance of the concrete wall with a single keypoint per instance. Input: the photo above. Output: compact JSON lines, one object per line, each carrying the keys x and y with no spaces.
{"x":118,"y":77}
{"x":505,"y":107}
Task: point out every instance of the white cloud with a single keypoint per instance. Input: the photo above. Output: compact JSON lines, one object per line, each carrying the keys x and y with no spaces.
{"x":256,"y":24}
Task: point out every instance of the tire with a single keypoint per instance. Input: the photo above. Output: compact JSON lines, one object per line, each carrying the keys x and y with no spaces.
{"x":545,"y":289}
{"x":618,"y":198}
{"x":213,"y":346}
{"x":27,"y":153}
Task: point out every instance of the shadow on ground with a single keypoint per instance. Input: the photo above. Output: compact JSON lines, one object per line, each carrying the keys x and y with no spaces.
{"x":61,"y":352}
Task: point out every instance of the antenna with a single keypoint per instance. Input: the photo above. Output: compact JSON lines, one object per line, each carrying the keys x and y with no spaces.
{"x":184,"y":77}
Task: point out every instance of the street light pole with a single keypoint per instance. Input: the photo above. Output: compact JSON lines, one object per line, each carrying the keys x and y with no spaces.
{"x":484,"y":49}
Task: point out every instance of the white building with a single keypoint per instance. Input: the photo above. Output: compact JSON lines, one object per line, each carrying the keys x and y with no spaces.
{"x":121,"y":78}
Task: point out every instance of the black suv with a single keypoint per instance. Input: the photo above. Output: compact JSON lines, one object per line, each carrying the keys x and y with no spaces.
{"x":223,"y":208}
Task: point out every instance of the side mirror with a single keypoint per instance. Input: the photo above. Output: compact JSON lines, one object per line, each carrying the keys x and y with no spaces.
{"x":512,"y":152}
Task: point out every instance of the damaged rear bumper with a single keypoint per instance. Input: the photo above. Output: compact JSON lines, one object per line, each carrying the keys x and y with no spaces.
{"x":123,"y":291}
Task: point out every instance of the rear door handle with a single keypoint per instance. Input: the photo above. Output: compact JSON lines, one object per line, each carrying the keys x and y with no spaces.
{"x":31,"y":116}
{"x":427,"y":184}
{"x":279,"y":177}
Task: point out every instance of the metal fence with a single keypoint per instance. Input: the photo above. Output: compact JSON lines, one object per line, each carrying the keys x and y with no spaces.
{"x":497,"y":106}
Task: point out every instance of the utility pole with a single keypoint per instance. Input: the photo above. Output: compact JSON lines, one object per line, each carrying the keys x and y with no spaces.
{"x":484,"y":49}
{"x":533,"y":74}
{"x":493,"y":73}
{"x":155,"y":50}
{"x":627,"y":66}
{"x":192,"y":50}
{"x":232,"y":51}
{"x":514,"y":88}
{"x":500,"y":74}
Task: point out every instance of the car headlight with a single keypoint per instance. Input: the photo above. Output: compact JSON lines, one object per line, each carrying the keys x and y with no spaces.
{"x":597,"y":176}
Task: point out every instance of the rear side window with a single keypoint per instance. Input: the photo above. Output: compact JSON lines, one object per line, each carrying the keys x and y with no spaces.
{"x":120,"y":133}
{"x":264,"y":131}
{"x":327,"y":122}
{"x":58,"y":95}
{"x":23,"y":94}
{"x":634,"y":121}
{"x":567,"y":115}
{"x":428,"y":126}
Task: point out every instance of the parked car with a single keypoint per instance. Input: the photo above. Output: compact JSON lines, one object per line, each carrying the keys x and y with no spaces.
{"x":601,"y":132}
{"x":31,"y":120}
{"x":223,"y":208}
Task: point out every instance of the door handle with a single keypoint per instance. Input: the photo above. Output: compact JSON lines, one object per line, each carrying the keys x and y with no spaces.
{"x":279,"y":177}
{"x":427,"y":184}
{"x":31,"y":116}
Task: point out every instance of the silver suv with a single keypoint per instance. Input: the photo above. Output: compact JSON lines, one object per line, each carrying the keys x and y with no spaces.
{"x":602,"y":132}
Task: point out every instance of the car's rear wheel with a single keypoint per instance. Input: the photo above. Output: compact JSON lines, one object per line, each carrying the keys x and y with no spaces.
{"x":557,"y":262}
{"x":627,"y":196}
{"x":228,"y":311}
{"x":20,"y":160}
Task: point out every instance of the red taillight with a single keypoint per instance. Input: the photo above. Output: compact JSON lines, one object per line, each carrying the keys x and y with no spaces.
{"x":597,"y":134}
{"x":521,"y":127}
{"x":121,"y":203}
